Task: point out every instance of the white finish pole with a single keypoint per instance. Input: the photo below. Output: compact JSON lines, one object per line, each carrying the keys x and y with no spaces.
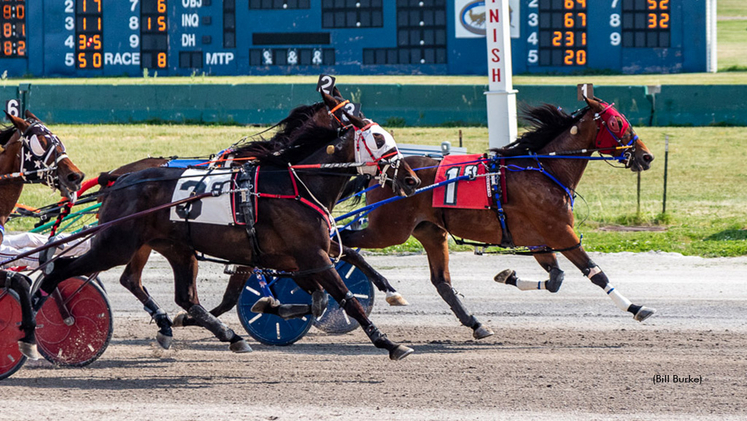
{"x":501,"y":96}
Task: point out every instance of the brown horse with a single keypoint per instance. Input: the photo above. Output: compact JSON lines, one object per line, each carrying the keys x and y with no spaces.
{"x":538,"y":211}
{"x":289,"y":235}
{"x":30,"y":153}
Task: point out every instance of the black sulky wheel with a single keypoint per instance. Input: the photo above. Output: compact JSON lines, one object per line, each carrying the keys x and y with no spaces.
{"x":268,"y":328}
{"x":334,"y":320}
{"x":11,"y":359}
{"x":81,"y":338}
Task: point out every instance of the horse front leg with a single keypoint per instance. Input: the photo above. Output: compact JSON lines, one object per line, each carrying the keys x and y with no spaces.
{"x":549,"y":262}
{"x":184,"y":265}
{"x":435,"y":242}
{"x":393,"y":298}
{"x":132,"y":280}
{"x":594,"y":273}
{"x":236,"y":282}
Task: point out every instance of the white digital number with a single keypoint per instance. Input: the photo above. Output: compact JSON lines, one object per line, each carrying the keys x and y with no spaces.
{"x":69,"y":41}
{"x":532,"y":38}
{"x":69,"y":23}
{"x":326,"y":82}
{"x":615,"y":38}
{"x":614,"y":20}
{"x":533,"y":3}
{"x":532,"y":56}
{"x":69,"y":6}
{"x":134,"y":23}
{"x":450,"y":190}
{"x":614,"y":3}
{"x":134,"y":5}
{"x":134,"y":41}
{"x":69,"y":59}
{"x":533,"y":19}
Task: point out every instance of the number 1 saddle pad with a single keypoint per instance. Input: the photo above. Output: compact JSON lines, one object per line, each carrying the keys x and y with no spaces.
{"x":463,"y":194}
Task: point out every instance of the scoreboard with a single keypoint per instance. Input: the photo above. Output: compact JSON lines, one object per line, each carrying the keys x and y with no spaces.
{"x":88,"y":38}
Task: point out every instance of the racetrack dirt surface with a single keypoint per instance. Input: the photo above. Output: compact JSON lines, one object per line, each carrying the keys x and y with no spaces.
{"x":570,"y":355}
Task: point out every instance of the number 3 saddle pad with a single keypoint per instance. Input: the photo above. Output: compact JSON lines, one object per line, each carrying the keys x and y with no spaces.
{"x":218,"y":210}
{"x":463,"y":194}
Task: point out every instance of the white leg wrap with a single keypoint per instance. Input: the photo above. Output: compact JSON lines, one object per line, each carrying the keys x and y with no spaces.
{"x":620,"y":301}
{"x":530,"y":285}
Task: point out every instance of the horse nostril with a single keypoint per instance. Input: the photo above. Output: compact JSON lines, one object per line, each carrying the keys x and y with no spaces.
{"x":75,"y":177}
{"x":412,"y":182}
{"x":648,"y":157}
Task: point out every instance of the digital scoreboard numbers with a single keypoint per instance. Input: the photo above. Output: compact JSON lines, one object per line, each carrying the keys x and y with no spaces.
{"x":646,"y":24}
{"x":89,"y":34}
{"x":562,"y":32}
{"x":13,"y":28}
{"x":154,"y":35}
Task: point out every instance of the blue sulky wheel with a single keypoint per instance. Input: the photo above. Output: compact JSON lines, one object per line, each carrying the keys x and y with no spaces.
{"x":334,"y":320}
{"x":267,"y":328}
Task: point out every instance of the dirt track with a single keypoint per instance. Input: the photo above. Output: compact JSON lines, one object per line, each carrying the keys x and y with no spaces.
{"x":571,"y":355}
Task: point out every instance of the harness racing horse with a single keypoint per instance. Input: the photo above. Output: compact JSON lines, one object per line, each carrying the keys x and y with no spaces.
{"x":291,"y":228}
{"x":30,"y":153}
{"x":538,"y":212}
{"x":329,"y":114}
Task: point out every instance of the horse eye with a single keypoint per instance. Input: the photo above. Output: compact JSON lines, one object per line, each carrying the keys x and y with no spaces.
{"x":380,"y":141}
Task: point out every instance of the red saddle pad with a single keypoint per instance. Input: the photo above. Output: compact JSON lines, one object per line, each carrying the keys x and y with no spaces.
{"x":463,"y":194}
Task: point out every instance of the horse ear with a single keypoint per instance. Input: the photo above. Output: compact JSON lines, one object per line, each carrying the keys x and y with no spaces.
{"x":593,"y":103}
{"x":329,"y":100}
{"x":19,"y":123}
{"x":336,"y":93}
{"x":357,"y":122}
{"x":31,"y":115}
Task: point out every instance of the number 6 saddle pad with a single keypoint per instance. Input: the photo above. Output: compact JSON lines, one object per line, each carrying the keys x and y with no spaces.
{"x":463,"y":194}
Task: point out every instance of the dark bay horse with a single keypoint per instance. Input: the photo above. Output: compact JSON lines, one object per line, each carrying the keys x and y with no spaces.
{"x":30,"y":153}
{"x":291,"y":235}
{"x":538,"y":211}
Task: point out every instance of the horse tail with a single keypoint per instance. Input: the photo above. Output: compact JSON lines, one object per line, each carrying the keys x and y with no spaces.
{"x":357,"y":184}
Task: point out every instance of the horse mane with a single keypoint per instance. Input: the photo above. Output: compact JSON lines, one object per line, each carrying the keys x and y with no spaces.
{"x":355,"y":185}
{"x":547,"y":122}
{"x":6,"y":132}
{"x":298,"y":137}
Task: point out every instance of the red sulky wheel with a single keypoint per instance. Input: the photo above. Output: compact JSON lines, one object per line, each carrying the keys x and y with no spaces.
{"x":82,"y":338}
{"x":11,"y":358}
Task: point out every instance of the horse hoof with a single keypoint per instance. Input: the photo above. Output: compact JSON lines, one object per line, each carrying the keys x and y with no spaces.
{"x":240,"y":347}
{"x":644,"y":313}
{"x":264,"y":304}
{"x":164,"y":340}
{"x":29,"y":350}
{"x":502,"y":277}
{"x":396,"y":299}
{"x":400,"y":352}
{"x":482,"y":332}
{"x":179,"y":319}
{"x":319,"y":302}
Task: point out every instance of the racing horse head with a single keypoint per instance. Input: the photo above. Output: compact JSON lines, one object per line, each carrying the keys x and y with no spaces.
{"x":39,"y":155}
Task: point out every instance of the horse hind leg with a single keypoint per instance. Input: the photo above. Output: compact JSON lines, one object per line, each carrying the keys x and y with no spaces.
{"x":549,"y":262}
{"x":230,"y":297}
{"x":132,"y":280}
{"x":22,"y":286}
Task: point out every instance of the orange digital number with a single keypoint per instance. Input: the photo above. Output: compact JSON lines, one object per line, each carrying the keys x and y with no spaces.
{"x":7,"y":12}
{"x":583,"y":39}
{"x":82,"y":42}
{"x":8,"y":48}
{"x":664,"y":5}
{"x":7,"y":30}
{"x":583,"y":19}
{"x":652,"y":4}
{"x":162,"y":24}
{"x":568,"y":4}
{"x":96,"y":59}
{"x":664,"y":20}
{"x":582,"y":3}
{"x":96,"y":42}
{"x":161,"y":6}
{"x":652,"y":19}
{"x":568,"y":20}
{"x":581,"y":57}
{"x":98,"y":9}
{"x":161,"y":59}
{"x":82,"y":62}
{"x":569,"y":39}
{"x":569,"y":56}
{"x":557,"y":36}
{"x":20,"y":11}
{"x":21,"y":48}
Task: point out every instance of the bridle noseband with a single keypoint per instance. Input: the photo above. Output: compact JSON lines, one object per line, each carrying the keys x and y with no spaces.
{"x":364,"y":140}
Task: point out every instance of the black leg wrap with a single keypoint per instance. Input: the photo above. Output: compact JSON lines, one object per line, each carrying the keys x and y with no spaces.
{"x":345,"y":301}
{"x":374,"y":334}
{"x":598,"y":278}
{"x":556,"y":279}
{"x":634,"y":309}
{"x":449,"y":295}
{"x":211,"y":323}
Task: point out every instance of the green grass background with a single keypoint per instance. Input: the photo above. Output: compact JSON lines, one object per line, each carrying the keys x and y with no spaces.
{"x":707,"y":181}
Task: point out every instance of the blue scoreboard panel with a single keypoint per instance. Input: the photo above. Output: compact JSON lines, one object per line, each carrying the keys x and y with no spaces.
{"x":90,"y":38}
